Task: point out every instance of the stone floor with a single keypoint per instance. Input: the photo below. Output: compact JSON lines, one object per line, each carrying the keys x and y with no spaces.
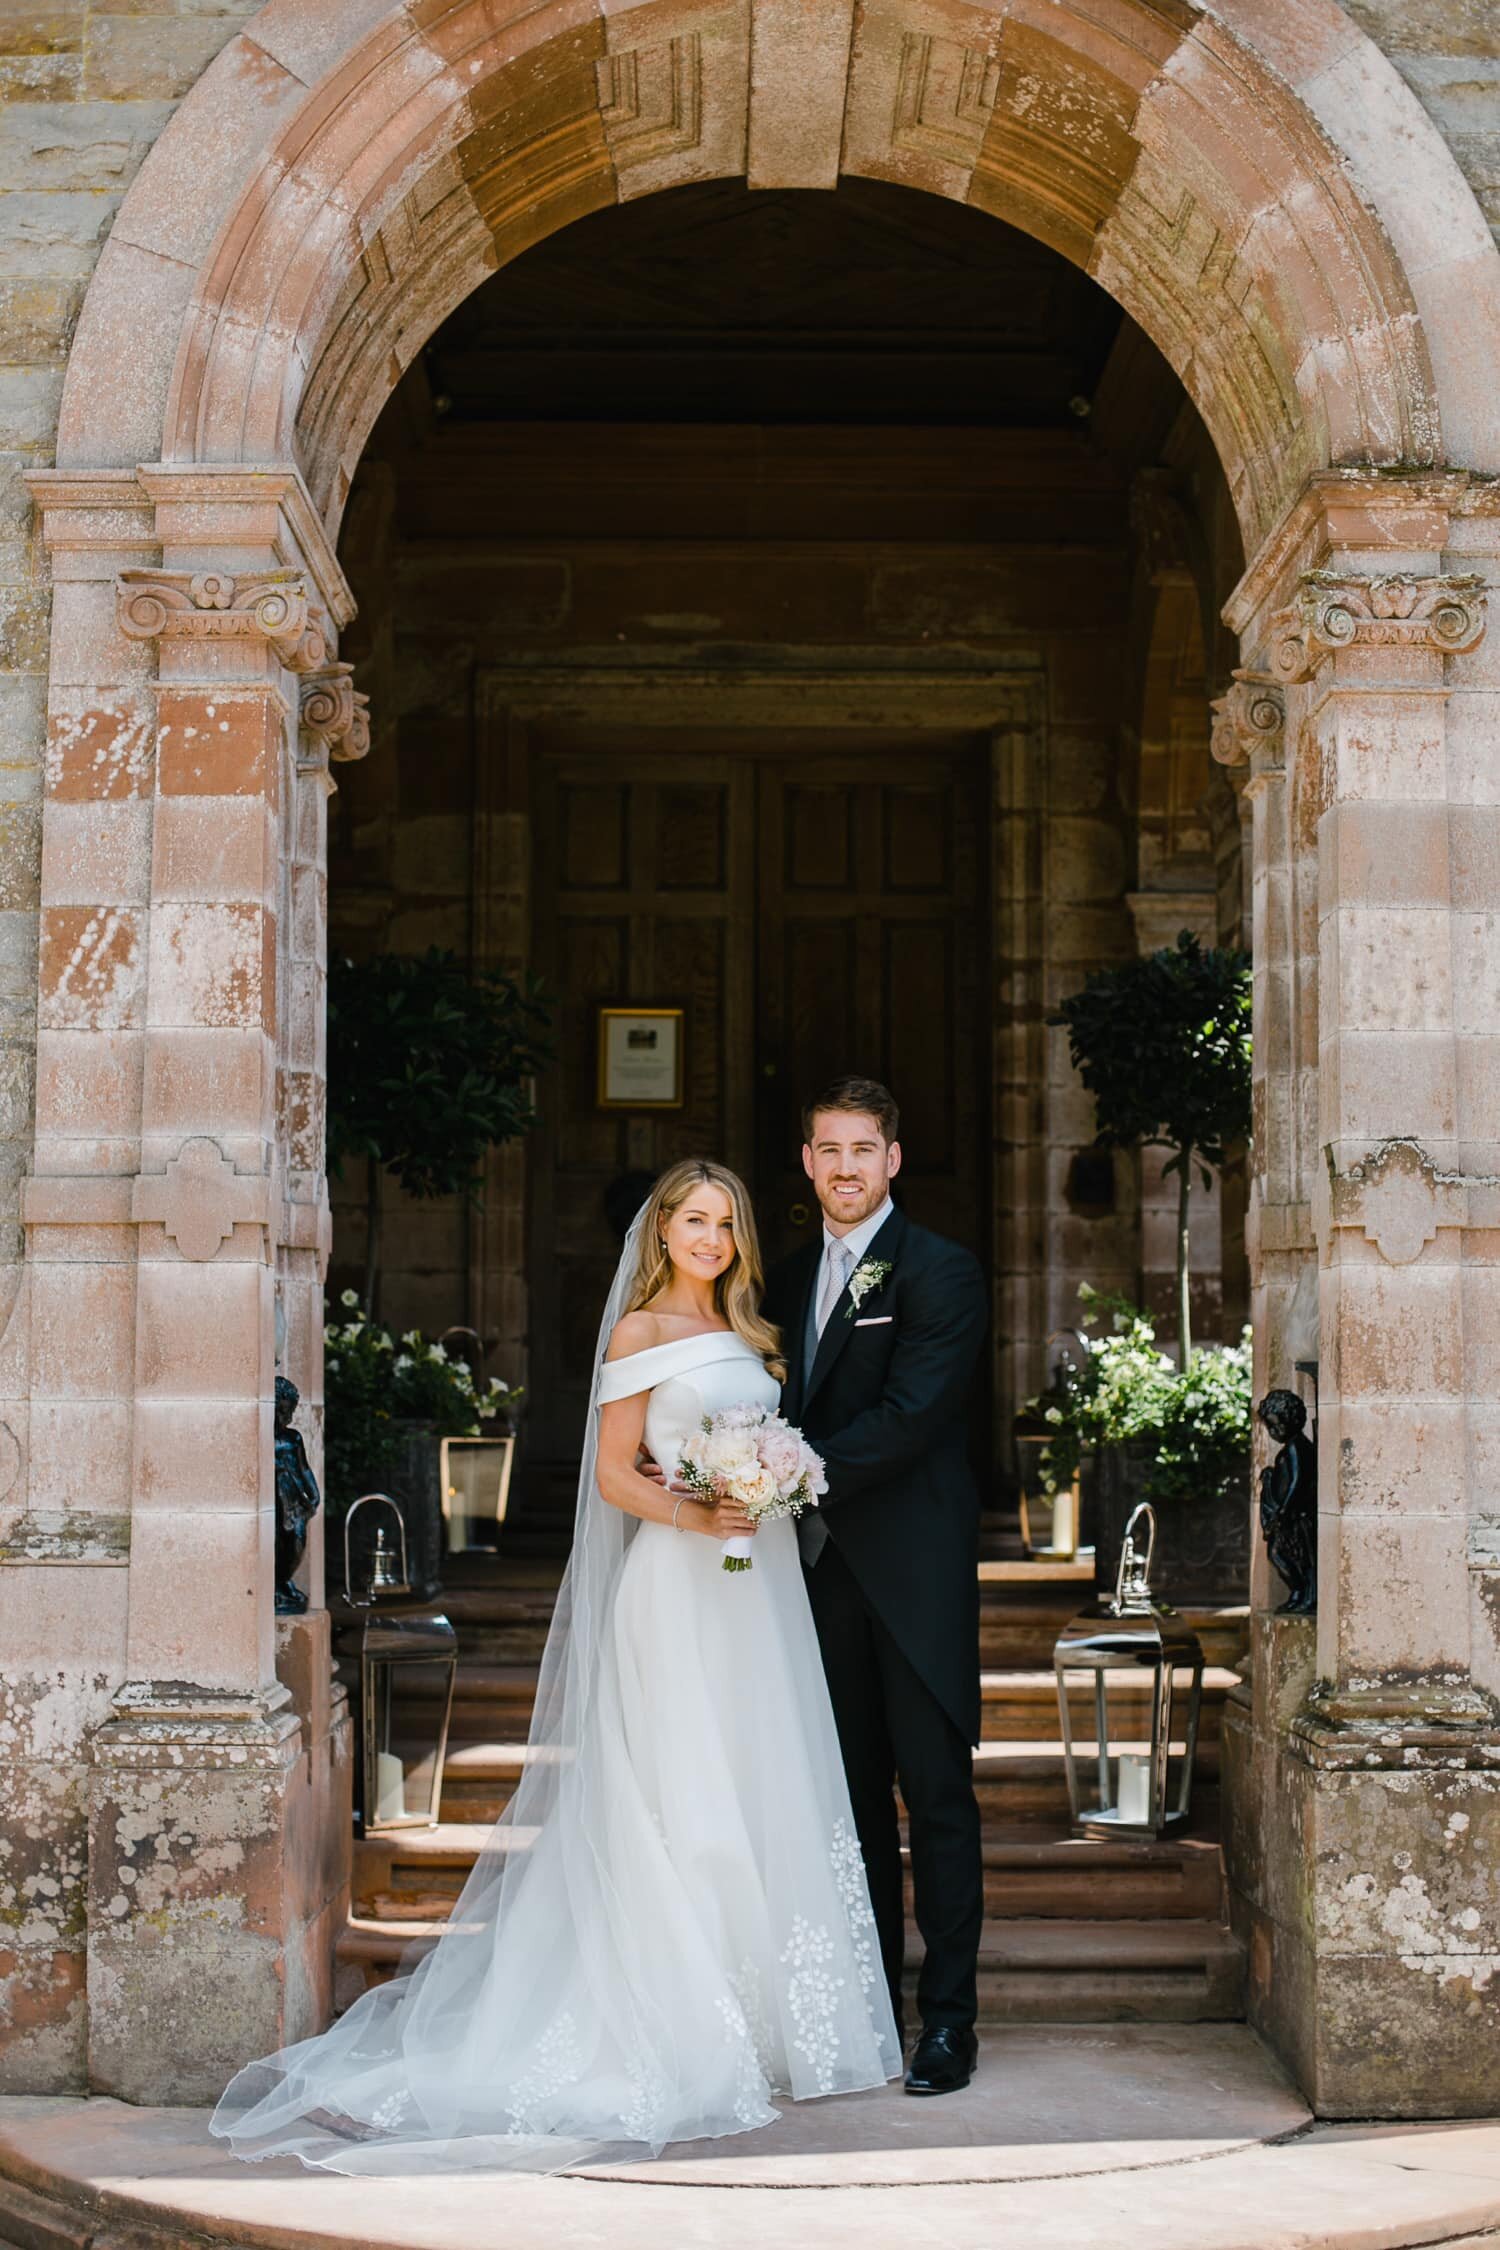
{"x":1185,"y":2138}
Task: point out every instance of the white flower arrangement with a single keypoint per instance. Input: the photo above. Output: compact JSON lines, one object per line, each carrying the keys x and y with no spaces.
{"x":755,"y":1457}
{"x":869,"y":1274}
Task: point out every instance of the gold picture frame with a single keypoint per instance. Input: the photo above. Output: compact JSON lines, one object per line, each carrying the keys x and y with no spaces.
{"x":641,"y":1058}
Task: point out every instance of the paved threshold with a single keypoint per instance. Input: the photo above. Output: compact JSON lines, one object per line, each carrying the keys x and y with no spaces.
{"x":1184,"y":2138}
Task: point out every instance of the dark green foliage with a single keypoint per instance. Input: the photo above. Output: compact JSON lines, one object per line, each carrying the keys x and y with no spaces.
{"x":1163,"y":1045}
{"x":428,"y":1067}
{"x":1121,"y":1389}
{"x":374,"y":1384}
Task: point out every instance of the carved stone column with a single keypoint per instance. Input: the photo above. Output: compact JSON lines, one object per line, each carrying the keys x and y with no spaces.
{"x":1363,"y":1806}
{"x":217,"y":1843}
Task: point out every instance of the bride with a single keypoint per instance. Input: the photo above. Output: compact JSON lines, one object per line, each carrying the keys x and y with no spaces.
{"x":669,"y":1925}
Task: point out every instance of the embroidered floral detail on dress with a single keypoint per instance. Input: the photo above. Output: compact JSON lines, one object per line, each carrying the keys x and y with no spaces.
{"x":557,"y":2063}
{"x":746,"y":1986}
{"x":812,"y":1997}
{"x":749,"y":2082}
{"x":645,"y":2116}
{"x":387,"y":2115}
{"x":854,"y":1892}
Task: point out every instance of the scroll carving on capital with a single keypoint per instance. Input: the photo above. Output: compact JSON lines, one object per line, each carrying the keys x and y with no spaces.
{"x":1250,"y":715}
{"x":268,"y":605}
{"x":1333,"y":612}
{"x":334,"y":717}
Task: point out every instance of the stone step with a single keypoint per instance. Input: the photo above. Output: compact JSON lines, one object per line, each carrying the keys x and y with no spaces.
{"x":494,"y":1700}
{"x":1026,"y":1874}
{"x":1020,"y":1780}
{"x":1030,"y":1971}
{"x":1057,"y":1971}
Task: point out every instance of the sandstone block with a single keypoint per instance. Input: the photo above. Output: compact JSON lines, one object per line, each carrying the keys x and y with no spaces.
{"x":88,"y":1082}
{"x":150,"y":57}
{"x":205,"y":1330}
{"x":216,"y":1081}
{"x":40,"y":78}
{"x":23,"y":628}
{"x":187,"y":1921}
{"x":77,"y":145}
{"x":96,"y":853}
{"x":79,"y":1457}
{"x":224,"y":1637}
{"x":201,"y":1454}
{"x":93,"y":963}
{"x":212,"y":965}
{"x":37,"y":317}
{"x":53,"y":236}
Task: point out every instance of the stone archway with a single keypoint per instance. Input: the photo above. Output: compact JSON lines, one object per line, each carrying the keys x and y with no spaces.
{"x":1256,"y":189}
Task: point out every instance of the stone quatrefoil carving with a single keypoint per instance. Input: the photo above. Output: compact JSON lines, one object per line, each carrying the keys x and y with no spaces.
{"x":200,"y":1199}
{"x":1249,"y":715}
{"x":269,"y":605}
{"x":1333,"y":612}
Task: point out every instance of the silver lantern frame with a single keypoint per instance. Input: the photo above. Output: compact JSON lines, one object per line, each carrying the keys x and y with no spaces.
{"x":1119,"y":1638}
{"x":380,"y":1644}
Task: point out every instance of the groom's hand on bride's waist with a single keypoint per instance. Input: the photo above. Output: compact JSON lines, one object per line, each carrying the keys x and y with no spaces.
{"x":654,"y":1473}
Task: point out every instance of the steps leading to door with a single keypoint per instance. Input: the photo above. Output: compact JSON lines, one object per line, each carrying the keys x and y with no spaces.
{"x":1077,"y":1930}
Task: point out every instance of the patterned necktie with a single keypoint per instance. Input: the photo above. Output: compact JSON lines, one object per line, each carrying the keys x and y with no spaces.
{"x":837,"y":1266}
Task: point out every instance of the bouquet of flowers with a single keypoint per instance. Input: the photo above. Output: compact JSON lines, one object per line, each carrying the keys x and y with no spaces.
{"x":751,"y":1455}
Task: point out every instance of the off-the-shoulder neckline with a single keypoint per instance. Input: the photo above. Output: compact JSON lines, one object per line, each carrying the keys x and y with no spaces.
{"x":679,"y":1343}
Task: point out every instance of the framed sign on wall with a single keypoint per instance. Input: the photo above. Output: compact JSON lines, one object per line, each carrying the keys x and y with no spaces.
{"x":640,"y":1058}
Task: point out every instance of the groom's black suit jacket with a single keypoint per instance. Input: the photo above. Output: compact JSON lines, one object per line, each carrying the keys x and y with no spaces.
{"x":887,"y":1407}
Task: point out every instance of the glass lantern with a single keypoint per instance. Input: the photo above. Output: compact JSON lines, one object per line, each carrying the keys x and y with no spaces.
{"x":474,"y":1473}
{"x":1049,"y":1520}
{"x":1131,"y":1639}
{"x":406,"y":1662}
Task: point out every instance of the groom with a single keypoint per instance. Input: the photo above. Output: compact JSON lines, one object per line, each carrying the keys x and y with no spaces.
{"x":882,"y":1324}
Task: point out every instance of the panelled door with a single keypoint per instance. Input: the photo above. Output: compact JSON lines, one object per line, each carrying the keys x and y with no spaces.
{"x":644,"y":874}
{"x":871,"y":933}
{"x":813,"y":911}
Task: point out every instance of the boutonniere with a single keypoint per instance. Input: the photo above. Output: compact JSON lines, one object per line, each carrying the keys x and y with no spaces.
{"x":867,"y":1275}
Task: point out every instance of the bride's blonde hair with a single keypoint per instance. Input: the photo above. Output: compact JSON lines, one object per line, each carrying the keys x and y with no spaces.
{"x":737,"y":1291}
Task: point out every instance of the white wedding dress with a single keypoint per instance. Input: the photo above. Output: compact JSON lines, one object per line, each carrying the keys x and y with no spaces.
{"x":685,"y":1933}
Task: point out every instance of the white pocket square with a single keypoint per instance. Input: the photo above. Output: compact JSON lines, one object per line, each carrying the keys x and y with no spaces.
{"x":876,"y":1320}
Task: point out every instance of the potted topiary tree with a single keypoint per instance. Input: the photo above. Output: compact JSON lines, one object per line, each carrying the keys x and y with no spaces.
{"x":1163,"y":1045}
{"x":428,"y":1068}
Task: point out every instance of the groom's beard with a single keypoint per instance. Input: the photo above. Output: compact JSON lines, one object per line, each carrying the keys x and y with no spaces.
{"x":849,"y":1210}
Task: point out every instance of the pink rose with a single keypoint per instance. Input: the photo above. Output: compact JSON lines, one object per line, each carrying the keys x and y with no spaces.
{"x":781,"y":1451}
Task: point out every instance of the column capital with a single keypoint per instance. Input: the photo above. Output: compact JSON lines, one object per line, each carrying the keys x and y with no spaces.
{"x":1334,"y":611}
{"x":334,"y":719}
{"x":204,"y":505}
{"x":204,"y":605}
{"x":1250,"y":715}
{"x":1393,"y":517}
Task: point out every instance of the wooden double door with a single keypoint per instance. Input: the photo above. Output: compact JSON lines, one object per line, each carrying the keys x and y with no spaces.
{"x":815,"y":905}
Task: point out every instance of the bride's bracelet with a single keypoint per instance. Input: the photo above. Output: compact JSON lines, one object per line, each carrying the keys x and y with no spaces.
{"x":676,"y":1512}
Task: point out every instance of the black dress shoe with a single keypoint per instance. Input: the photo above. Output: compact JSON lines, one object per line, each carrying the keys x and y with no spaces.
{"x":943,"y":2062}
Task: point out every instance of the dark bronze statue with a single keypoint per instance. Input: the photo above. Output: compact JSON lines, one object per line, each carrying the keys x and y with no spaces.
{"x":297,"y":1500}
{"x":1289,"y":1502}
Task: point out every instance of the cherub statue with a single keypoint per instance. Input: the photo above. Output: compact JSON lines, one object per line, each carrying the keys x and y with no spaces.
{"x":1289,"y":1502}
{"x":297,"y":1500}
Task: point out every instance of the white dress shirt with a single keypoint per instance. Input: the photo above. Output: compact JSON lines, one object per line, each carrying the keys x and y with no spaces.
{"x":853,"y":1245}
